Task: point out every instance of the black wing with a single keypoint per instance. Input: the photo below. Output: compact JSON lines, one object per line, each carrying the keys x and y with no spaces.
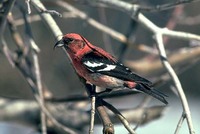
{"x":98,"y":64}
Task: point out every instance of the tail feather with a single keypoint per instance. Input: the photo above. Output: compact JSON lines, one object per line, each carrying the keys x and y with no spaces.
{"x":153,"y":92}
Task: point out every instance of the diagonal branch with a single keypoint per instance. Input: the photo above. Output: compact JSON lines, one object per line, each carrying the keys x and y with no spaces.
{"x":180,"y":123}
{"x":177,"y":83}
{"x":119,"y":116}
{"x":108,"y":127}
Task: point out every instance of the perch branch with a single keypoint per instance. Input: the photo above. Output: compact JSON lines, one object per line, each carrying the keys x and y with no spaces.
{"x":119,"y":116}
{"x":108,"y":127}
{"x":92,"y":114}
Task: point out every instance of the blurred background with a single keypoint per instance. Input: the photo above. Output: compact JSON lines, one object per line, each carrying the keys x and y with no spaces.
{"x":58,"y":75}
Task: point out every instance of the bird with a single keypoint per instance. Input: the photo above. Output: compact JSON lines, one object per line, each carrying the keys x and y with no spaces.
{"x":98,"y":67}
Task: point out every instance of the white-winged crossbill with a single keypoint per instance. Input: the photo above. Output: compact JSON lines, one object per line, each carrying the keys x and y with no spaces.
{"x":99,"y":68}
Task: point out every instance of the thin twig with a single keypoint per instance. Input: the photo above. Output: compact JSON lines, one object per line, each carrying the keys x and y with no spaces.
{"x":39,"y":87}
{"x":141,"y":120}
{"x":52,"y":12}
{"x":34,"y":52}
{"x":44,"y":10}
{"x":6,"y":8}
{"x":178,"y":127}
{"x":15,"y":35}
{"x":143,"y":104}
{"x":48,"y":19}
{"x":7,"y":52}
{"x":28,"y":6}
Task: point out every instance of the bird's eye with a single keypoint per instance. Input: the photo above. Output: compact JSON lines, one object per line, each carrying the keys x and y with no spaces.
{"x":68,"y":40}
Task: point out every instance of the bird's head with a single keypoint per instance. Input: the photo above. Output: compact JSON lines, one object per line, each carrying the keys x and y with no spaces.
{"x":73,"y":43}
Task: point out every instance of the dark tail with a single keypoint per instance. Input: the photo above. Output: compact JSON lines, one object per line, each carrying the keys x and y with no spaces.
{"x":153,"y":92}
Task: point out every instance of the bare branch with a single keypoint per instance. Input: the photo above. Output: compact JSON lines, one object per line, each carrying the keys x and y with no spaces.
{"x":6,"y":8}
{"x":119,"y":116}
{"x":180,"y":123}
{"x":48,"y":20}
{"x":176,"y":82}
{"x":39,"y":87}
{"x":107,"y":124}
{"x":92,"y":114}
{"x":34,"y":52}
{"x":7,"y":52}
{"x":41,"y":9}
{"x":52,"y":12}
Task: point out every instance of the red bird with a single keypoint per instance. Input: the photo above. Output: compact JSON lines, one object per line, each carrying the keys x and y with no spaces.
{"x":99,"y":68}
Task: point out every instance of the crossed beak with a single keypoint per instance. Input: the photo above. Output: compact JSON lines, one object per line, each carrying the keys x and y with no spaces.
{"x":60,"y":43}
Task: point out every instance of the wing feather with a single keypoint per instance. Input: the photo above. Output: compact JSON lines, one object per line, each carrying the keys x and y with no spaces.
{"x":100,"y":64}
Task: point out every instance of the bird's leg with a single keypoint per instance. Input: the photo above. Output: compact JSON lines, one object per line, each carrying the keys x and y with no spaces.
{"x":91,"y":89}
